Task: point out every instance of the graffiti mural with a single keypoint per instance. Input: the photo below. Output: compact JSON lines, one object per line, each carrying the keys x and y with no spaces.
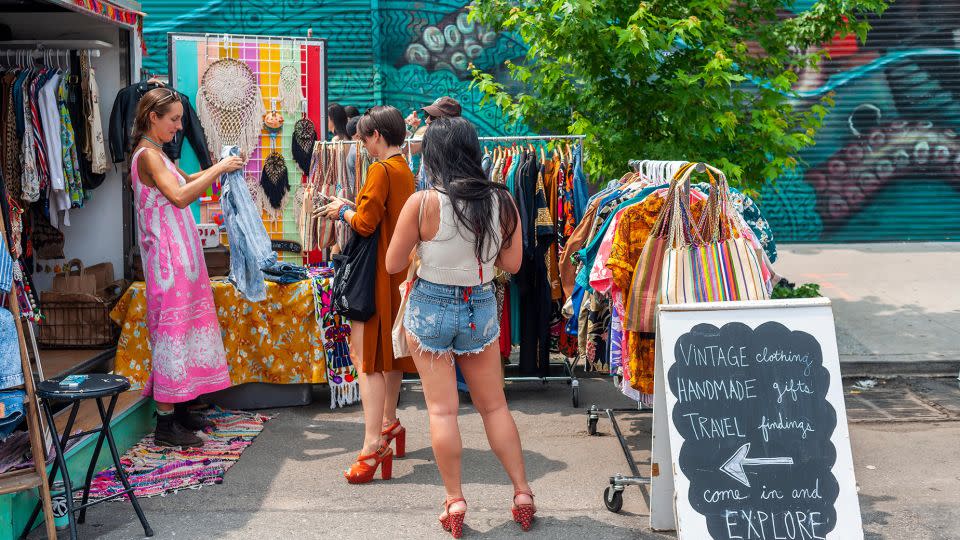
{"x":428,"y":50}
{"x":886,"y":165}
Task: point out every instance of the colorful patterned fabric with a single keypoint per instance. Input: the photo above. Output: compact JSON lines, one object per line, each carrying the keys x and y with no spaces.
{"x":335,"y":334}
{"x":71,"y":164}
{"x":275,"y":341}
{"x":154,"y":470}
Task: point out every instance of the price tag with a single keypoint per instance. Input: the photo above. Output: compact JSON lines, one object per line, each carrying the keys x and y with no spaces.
{"x":209,"y":235}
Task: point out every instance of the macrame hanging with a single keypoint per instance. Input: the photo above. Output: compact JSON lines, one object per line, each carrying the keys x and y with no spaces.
{"x":289,"y":90}
{"x":274,"y":179}
{"x":304,"y":136}
{"x":230,"y":106}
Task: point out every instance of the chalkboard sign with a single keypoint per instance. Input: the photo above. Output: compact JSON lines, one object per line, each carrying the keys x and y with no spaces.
{"x":759,"y":447}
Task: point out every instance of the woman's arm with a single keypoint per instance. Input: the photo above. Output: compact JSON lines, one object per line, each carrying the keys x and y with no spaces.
{"x":191,"y":177}
{"x":153,"y":168}
{"x":511,"y":257}
{"x":405,"y":235}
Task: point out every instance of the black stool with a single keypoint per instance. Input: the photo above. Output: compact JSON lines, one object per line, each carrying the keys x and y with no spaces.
{"x":96,"y":386}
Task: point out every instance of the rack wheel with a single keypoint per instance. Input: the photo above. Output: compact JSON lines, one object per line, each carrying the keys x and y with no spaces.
{"x":613,"y":499}
{"x":592,"y":426}
{"x":575,"y":394}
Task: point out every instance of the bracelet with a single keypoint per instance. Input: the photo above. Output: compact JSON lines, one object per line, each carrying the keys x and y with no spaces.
{"x":343,"y":213}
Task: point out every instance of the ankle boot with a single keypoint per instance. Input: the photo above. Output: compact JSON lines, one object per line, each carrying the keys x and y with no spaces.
{"x":191,"y":420}
{"x":170,"y":433}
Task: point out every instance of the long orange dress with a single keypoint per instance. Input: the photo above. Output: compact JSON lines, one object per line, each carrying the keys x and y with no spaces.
{"x":389,"y":184}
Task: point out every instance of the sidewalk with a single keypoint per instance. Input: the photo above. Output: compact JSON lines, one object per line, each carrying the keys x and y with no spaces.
{"x":897,"y":306}
{"x":289,"y":484}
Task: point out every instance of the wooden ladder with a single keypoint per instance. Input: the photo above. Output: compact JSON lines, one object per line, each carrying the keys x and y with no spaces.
{"x":36,"y":477}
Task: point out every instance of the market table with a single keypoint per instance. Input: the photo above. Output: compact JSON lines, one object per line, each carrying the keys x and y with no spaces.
{"x":283,"y":339}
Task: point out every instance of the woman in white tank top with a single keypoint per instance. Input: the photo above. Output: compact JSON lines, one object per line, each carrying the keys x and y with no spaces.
{"x":462,"y":229}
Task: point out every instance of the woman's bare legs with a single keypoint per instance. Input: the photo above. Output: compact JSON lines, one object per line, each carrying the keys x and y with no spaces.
{"x":484,"y":375}
{"x":372,"y":393}
{"x":439,"y":382}
{"x":392,"y":382}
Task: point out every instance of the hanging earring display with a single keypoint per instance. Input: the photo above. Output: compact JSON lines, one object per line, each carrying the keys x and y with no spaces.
{"x":274,"y":179}
{"x":230,"y":106}
{"x":301,"y":145}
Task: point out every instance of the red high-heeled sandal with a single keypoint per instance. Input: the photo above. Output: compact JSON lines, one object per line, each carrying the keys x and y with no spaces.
{"x":361,"y":472}
{"x":453,"y":522}
{"x":523,"y":513}
{"x":400,"y":435}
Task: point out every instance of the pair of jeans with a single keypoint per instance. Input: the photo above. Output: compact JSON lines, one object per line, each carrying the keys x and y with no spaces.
{"x":250,"y":250}
{"x":285,"y":273}
{"x":452,"y":319}
{"x":11,"y":411}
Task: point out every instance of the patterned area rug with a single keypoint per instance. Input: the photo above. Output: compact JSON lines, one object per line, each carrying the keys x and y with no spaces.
{"x":155,"y":470}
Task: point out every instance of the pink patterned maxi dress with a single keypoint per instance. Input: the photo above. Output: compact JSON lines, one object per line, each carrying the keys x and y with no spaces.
{"x":185,"y":340}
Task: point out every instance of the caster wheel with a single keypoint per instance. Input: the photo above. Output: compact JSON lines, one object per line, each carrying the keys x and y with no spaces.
{"x":575,"y":394}
{"x":613,"y":499}
{"x":592,"y":426}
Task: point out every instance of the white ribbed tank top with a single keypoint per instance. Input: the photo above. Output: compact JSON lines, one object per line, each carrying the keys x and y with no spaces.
{"x":449,"y":258}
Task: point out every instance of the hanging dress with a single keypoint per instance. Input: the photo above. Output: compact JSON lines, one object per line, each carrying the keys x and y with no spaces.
{"x":185,"y":340}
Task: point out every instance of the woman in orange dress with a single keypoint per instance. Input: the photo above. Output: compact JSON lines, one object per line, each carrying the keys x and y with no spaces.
{"x":389,"y":184}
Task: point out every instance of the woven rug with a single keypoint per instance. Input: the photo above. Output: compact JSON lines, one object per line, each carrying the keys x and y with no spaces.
{"x":155,"y":470}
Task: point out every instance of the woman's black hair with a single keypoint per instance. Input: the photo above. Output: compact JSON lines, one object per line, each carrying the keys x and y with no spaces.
{"x":352,"y":112}
{"x":352,"y":126}
{"x":339,"y":118}
{"x":387,"y":121}
{"x":452,"y":158}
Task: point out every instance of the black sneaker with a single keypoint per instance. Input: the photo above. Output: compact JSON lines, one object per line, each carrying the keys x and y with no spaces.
{"x":171,"y":433}
{"x":191,"y":420}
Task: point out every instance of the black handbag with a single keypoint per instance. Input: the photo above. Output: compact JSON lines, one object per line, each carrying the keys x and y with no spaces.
{"x":355,"y":277}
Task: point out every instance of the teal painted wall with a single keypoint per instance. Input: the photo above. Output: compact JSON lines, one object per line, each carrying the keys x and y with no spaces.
{"x":886,"y":166}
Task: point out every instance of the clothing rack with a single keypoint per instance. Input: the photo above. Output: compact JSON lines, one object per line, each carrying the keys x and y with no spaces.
{"x":613,"y":493}
{"x":558,"y":371}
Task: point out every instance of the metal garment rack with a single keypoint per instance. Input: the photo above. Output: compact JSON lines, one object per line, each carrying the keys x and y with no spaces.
{"x":565,"y":366}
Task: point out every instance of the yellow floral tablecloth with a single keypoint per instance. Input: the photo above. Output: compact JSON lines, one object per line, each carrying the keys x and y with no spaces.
{"x":277,"y":341}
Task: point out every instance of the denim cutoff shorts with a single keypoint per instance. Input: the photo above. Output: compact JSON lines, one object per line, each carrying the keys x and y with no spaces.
{"x":448,"y":318}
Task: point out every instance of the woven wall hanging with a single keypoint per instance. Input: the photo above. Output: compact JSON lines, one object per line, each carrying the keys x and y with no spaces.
{"x":230,"y":106}
{"x":301,"y":144}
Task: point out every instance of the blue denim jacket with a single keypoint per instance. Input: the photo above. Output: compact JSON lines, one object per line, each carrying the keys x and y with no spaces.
{"x":250,"y":249}
{"x":11,"y":370}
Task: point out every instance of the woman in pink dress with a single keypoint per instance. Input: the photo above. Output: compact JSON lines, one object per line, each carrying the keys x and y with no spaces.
{"x":185,"y":340}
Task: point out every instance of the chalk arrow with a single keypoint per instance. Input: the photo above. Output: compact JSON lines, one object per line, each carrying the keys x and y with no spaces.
{"x":734,"y":465}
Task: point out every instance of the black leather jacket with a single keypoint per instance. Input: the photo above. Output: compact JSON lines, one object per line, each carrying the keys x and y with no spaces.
{"x":121,"y":124}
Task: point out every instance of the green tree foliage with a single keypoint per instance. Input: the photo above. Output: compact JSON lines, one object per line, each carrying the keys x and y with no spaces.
{"x":706,"y":80}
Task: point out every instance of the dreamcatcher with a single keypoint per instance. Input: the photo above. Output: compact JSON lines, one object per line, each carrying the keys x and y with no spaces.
{"x":289,"y":88}
{"x":274,"y":179}
{"x":230,"y":106}
{"x":301,"y":145}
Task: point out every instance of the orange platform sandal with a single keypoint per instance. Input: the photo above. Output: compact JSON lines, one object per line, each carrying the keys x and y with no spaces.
{"x":523,"y":513}
{"x":362,"y":471}
{"x":397,"y":433}
{"x":453,"y":522}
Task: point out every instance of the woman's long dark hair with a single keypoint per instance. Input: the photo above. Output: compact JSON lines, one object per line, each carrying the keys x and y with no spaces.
{"x":452,"y":157}
{"x":338,"y":116}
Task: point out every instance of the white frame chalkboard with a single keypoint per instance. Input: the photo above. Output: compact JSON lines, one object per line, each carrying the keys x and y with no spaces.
{"x":670,"y":508}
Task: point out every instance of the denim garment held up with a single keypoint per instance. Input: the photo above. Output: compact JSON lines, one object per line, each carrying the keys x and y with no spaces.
{"x":250,"y":249}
